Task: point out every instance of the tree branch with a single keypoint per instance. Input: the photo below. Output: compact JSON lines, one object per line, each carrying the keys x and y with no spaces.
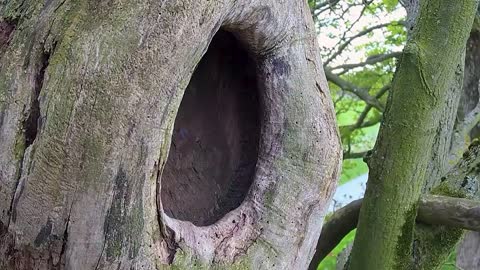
{"x":367,"y":109}
{"x":348,"y":155}
{"x":433,"y":210}
{"x":343,"y":46}
{"x":350,"y":87}
{"x":370,"y":61}
{"x":338,"y":225}
{"x":448,"y":211}
{"x":360,"y":123}
{"x":330,"y":3}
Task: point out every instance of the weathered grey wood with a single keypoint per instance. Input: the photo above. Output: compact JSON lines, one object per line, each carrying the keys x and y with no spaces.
{"x":451,"y":212}
{"x":468,"y":252}
{"x":89,"y":91}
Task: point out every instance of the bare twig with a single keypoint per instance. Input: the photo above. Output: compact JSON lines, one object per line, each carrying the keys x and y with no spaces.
{"x":370,"y":61}
{"x":348,"y":155}
{"x":343,"y":46}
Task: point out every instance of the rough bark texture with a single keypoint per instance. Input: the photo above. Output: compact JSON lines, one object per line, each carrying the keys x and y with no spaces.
{"x":400,"y":160}
{"x":412,"y":7}
{"x":439,"y":220}
{"x":468,"y":253}
{"x":89,"y":92}
{"x":452,"y":213}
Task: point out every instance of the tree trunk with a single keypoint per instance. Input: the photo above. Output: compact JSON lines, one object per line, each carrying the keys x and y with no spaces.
{"x":89,"y":95}
{"x":399,"y":163}
{"x":462,"y":102}
{"x":468,"y":252}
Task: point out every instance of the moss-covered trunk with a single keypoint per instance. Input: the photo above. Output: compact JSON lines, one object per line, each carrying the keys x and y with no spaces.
{"x":398,"y":165}
{"x":89,"y":94}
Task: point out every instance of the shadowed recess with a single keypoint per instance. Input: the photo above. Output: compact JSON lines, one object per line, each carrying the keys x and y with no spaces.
{"x":6,"y":30}
{"x":214,"y":147}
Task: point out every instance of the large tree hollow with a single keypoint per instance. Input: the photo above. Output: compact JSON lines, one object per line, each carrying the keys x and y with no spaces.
{"x":214,"y":147}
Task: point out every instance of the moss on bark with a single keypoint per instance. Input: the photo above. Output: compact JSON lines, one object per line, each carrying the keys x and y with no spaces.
{"x":399,"y":161}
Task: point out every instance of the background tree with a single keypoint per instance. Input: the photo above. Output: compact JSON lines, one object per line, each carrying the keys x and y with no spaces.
{"x":458,"y":143}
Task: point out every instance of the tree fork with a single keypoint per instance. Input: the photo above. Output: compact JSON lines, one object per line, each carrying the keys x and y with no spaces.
{"x":399,"y":161}
{"x":432,"y":210}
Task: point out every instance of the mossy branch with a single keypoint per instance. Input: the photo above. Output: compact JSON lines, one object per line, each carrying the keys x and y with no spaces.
{"x":432,"y":210}
{"x":451,"y":209}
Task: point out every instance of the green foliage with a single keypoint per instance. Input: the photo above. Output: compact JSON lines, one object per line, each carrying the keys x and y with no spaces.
{"x":352,"y":168}
{"x":390,"y":4}
{"x":450,"y":262}
{"x":330,"y":261}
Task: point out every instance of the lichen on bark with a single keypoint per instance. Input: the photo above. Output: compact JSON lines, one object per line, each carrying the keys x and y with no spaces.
{"x":400,"y":159}
{"x":115,"y":77}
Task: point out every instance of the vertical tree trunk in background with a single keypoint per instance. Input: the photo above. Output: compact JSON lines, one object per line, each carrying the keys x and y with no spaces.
{"x":399,"y":163}
{"x":468,"y":252}
{"x":89,"y":93}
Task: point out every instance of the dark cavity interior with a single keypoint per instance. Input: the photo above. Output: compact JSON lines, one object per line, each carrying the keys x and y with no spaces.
{"x":214,"y":148}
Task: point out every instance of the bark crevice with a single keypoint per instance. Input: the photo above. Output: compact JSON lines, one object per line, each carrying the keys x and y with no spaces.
{"x":6,"y":32}
{"x":30,"y":126}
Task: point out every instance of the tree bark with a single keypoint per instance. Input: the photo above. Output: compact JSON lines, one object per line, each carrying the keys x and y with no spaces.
{"x":468,"y":252}
{"x":89,"y":94}
{"x":458,"y":126}
{"x":452,"y":213}
{"x":400,"y":159}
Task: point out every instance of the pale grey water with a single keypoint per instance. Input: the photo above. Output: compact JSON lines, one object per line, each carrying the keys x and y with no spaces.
{"x":348,"y":192}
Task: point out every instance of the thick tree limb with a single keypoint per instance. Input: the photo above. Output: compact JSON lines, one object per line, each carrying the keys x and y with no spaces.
{"x":433,"y":210}
{"x":338,"y":225}
{"x":448,"y":211}
{"x":412,"y":7}
{"x":463,"y":177}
